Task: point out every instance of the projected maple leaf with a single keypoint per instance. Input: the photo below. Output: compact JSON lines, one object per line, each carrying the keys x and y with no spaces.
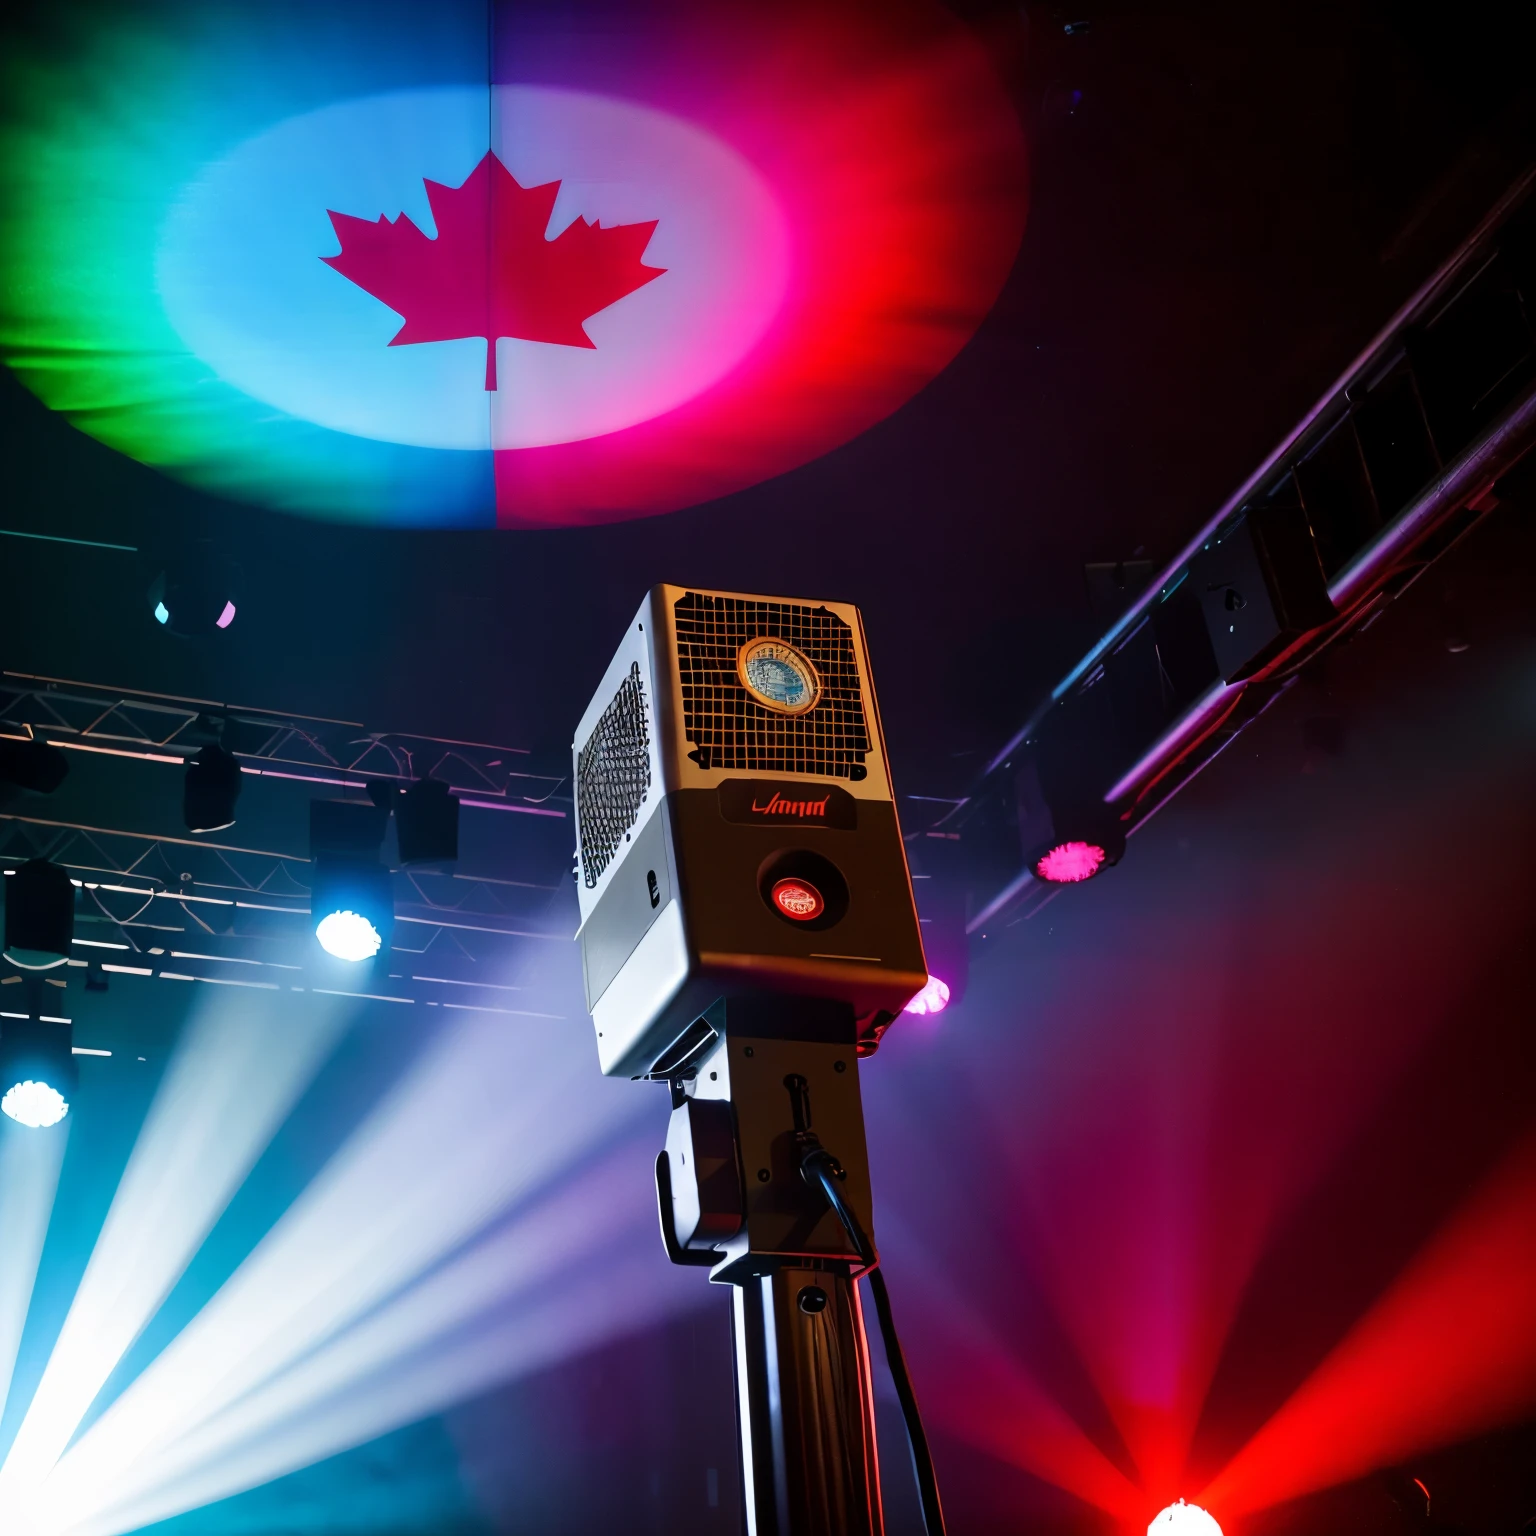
{"x":491,"y":272}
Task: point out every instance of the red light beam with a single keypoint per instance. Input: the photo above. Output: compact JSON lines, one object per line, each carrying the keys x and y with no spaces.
{"x":1448,"y":1352}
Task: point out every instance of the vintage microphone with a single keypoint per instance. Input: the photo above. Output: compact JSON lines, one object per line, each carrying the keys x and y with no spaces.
{"x":748,"y":932}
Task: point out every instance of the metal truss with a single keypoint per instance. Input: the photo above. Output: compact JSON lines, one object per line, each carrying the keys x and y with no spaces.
{"x":194,"y":909}
{"x":200,"y":911}
{"x":1419,"y":488}
{"x":167,"y":728}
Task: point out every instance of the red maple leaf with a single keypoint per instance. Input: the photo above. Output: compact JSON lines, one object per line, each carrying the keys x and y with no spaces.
{"x":491,"y":272}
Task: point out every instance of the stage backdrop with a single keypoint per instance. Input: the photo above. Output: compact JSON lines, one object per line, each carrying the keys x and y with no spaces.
{"x":470,"y":264}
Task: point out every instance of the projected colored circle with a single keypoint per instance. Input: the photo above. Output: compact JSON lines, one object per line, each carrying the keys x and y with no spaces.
{"x":587,"y":263}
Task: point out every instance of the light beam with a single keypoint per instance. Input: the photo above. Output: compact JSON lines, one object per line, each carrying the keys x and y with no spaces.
{"x":540,"y":1289}
{"x":491,"y":1116}
{"x":1448,"y":1352}
{"x":29,"y":1179}
{"x":237,"y":1071}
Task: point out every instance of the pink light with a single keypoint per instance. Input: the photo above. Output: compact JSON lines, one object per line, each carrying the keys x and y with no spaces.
{"x":226,"y":618}
{"x":934,"y":998}
{"x":1068,"y":862}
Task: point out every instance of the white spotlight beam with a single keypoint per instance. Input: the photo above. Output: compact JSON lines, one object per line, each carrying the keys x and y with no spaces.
{"x":492,"y":1115}
{"x":237,"y":1072}
{"x":594,"y":1229}
{"x":29,"y":1178}
{"x":576,"y":1318}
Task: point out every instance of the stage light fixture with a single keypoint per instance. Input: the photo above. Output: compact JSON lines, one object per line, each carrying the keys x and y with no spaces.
{"x":348,"y":935}
{"x":32,"y":765}
{"x":1069,"y":862}
{"x":194,"y":593}
{"x":209,"y":792}
{"x":426,"y":823}
{"x":934,"y":998}
{"x":39,"y":916}
{"x":1183,"y":1519}
{"x":351,"y":900}
{"x":38,"y":1075}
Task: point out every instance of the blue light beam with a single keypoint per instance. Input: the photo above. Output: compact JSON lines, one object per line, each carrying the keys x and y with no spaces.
{"x":238,"y":1070}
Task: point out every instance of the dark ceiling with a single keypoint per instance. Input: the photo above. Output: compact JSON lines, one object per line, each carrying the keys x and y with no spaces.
{"x":1225,"y":203}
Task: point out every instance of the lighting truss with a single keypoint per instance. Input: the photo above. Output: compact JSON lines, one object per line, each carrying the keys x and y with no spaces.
{"x":184,"y":908}
{"x":1390,"y":469}
{"x":168,"y":728}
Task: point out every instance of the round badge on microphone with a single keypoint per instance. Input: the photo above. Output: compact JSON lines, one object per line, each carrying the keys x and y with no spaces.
{"x":778,"y":676}
{"x":797,"y":899}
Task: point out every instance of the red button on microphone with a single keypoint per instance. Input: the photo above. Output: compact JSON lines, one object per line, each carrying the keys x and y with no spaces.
{"x":798,"y":900}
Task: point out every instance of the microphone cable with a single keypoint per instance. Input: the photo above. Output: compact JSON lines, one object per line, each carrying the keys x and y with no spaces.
{"x":820,"y":1169}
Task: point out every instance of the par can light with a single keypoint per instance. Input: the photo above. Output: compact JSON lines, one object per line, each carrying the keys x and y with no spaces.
{"x":427,"y":823}
{"x":31,"y":765}
{"x":194,"y":592}
{"x":1069,"y":862}
{"x":209,"y":792}
{"x":39,"y":916}
{"x":38,"y":1075}
{"x":351,"y":898}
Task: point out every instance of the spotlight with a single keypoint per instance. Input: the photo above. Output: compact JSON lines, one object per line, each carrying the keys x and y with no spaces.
{"x":351,"y":901}
{"x":39,"y":916}
{"x":1068,"y":832}
{"x":427,"y":823}
{"x":195,"y":592}
{"x":934,"y":998}
{"x":1069,"y":862}
{"x":209,"y":792}
{"x":348,"y":935}
{"x":1183,"y":1519}
{"x":38,"y":1075}
{"x":32,"y":765}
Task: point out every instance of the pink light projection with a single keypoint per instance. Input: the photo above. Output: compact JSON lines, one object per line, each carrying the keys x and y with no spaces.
{"x":897,"y":166}
{"x":1069,"y":862}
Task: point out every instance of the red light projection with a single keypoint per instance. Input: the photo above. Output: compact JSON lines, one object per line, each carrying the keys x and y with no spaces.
{"x":1449,"y":1351}
{"x":491,"y":271}
{"x":898,"y":169}
{"x":1215,"y":1164}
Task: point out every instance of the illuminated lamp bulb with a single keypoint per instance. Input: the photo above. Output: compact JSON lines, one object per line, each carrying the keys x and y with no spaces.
{"x":35,"y":1105}
{"x":348,"y":936}
{"x":934,"y":998}
{"x":1183,"y":1519}
{"x":1068,"y":863}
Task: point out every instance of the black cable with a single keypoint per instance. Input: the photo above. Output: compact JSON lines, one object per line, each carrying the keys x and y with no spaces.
{"x":820,"y":1168}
